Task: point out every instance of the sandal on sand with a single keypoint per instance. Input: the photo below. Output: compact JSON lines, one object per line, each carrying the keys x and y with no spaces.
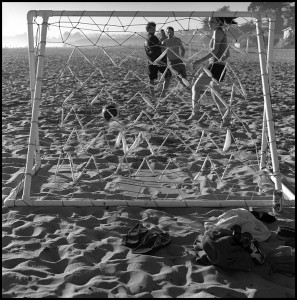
{"x":263,"y":216}
{"x":152,"y":241}
{"x":285,"y":233}
{"x":134,"y":235}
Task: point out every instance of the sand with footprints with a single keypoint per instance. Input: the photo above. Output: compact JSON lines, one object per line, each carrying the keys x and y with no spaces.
{"x":78,"y":252}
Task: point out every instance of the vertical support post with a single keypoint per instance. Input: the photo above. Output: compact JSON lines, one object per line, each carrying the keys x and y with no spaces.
{"x":247,"y":45}
{"x":271,"y":31}
{"x":269,"y":71}
{"x":37,"y":150}
{"x":32,"y":147}
{"x":267,"y":108}
{"x":32,"y":68}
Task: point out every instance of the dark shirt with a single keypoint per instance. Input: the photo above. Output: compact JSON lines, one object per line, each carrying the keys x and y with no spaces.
{"x":152,"y":48}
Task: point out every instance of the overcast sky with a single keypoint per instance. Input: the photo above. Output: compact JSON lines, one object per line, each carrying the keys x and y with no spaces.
{"x":14,"y":14}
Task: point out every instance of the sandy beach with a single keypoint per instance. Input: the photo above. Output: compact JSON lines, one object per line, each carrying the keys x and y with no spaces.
{"x":71,"y":252}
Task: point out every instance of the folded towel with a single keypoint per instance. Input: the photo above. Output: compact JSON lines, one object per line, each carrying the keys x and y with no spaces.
{"x":246,"y":220}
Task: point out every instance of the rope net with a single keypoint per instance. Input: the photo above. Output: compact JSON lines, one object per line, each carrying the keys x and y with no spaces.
{"x":148,"y":152}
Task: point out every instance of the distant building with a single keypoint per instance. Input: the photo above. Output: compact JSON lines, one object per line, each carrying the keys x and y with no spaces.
{"x":287,"y":32}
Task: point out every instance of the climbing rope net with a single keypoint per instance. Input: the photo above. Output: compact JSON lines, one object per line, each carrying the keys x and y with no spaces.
{"x":148,"y":155}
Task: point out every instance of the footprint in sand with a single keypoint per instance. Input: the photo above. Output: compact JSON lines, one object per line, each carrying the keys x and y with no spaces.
{"x":29,"y":230}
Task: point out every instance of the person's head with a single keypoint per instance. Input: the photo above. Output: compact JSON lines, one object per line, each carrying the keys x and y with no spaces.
{"x":170,"y":31}
{"x":214,"y":23}
{"x":162,"y":32}
{"x":151,"y":27}
{"x":217,"y":22}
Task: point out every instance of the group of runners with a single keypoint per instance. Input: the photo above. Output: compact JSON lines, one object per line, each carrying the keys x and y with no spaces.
{"x":165,"y":56}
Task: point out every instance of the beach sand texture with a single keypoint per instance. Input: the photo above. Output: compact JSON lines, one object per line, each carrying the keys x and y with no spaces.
{"x":77,"y":252}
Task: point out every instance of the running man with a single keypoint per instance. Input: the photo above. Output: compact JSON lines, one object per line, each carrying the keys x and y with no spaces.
{"x":217,"y":56}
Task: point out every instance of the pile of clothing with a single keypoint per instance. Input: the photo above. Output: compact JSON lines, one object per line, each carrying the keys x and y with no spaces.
{"x":234,"y":242}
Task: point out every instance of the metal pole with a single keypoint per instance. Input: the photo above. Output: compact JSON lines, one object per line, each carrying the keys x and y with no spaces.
{"x":32,"y":69}
{"x":35,"y":111}
{"x":135,"y":14}
{"x":268,"y":112}
{"x":269,"y":71}
{"x":30,"y":16}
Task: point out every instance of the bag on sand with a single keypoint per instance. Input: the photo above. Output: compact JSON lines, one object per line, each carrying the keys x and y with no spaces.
{"x":231,"y":249}
{"x":223,"y":250}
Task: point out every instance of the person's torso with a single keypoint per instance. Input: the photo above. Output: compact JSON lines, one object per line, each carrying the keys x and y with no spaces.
{"x":173,"y":45}
{"x":152,"y":47}
{"x":222,"y":48}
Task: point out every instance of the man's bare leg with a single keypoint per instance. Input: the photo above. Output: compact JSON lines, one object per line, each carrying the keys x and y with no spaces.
{"x":197,"y":89}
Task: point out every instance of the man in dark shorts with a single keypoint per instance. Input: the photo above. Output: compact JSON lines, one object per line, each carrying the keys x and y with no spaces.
{"x":153,"y":51}
{"x":217,"y":56}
